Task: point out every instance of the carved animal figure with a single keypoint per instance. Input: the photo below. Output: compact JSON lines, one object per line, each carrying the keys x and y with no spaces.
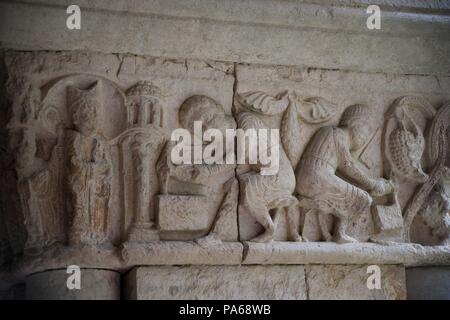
{"x":259,"y":194}
{"x":436,"y":211}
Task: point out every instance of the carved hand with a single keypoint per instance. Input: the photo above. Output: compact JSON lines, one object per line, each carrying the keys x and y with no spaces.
{"x":381,"y":188}
{"x":195,"y":172}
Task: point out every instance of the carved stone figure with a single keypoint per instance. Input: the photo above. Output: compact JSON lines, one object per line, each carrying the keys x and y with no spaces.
{"x":143,"y":104}
{"x":38,"y":163}
{"x":190,"y":183}
{"x":221,"y":228}
{"x":436,"y":211}
{"x":311,"y":110}
{"x":437,"y":147}
{"x":329,"y":178}
{"x":265,"y":197}
{"x":88,"y":168}
{"x":211,"y":114}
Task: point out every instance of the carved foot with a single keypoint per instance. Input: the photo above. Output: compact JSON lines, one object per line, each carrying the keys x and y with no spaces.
{"x":341,"y":239}
{"x":297,"y":238}
{"x":209,"y":240}
{"x":384,"y":242}
{"x":267,"y":236}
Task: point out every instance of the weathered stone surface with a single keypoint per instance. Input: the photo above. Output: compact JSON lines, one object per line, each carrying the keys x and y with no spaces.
{"x":182,"y":213}
{"x":329,"y":34}
{"x":52,"y":285}
{"x":428,"y":283}
{"x":341,"y":282}
{"x":182,"y":253}
{"x":362,"y":163}
{"x":216,"y":282}
{"x":353,"y":253}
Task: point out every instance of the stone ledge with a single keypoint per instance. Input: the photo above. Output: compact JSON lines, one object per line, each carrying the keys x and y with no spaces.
{"x":357,"y":253}
{"x":182,"y":253}
{"x":166,"y":253}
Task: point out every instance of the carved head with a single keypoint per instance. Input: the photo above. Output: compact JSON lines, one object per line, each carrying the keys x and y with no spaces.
{"x":208,"y":111}
{"x":84,"y":106}
{"x":359,"y":120}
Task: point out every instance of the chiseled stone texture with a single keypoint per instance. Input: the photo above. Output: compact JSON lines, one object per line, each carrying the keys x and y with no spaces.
{"x":428,"y":283}
{"x":332,"y":34}
{"x":216,"y":282}
{"x":52,"y":285}
{"x":349,"y":282}
{"x":182,"y":213}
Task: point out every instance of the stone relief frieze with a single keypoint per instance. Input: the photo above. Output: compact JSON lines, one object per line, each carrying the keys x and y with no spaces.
{"x":93,"y":166}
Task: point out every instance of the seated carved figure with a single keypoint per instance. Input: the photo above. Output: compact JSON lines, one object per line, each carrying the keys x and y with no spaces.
{"x":212,"y":116}
{"x":331,"y":178}
{"x":201,"y":179}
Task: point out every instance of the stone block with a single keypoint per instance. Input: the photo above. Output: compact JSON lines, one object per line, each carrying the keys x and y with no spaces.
{"x":182,"y":213}
{"x":216,"y":282}
{"x":349,"y":282}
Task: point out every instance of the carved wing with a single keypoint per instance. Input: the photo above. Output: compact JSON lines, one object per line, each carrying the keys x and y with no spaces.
{"x":263,"y":103}
{"x":290,"y":135}
{"x":315,"y":109}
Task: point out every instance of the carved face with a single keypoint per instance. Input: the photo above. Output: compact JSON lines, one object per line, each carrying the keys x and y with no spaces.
{"x":85,"y":121}
{"x":360,"y":132}
{"x":84,"y":105}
